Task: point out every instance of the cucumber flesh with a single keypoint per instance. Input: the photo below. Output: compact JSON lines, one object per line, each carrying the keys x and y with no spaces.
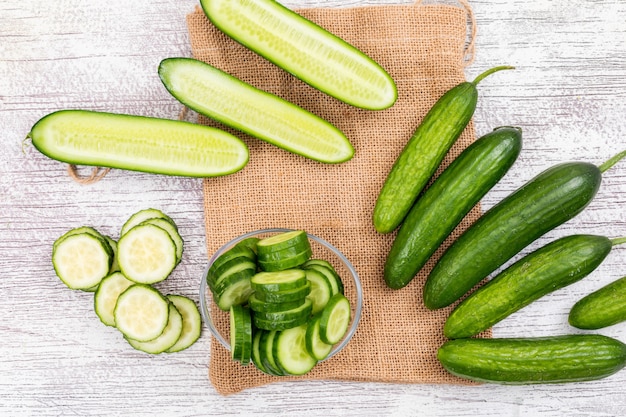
{"x":335,"y":319}
{"x":314,"y":344}
{"x":82,"y":260}
{"x":286,"y":280}
{"x":138,"y":143}
{"x":224,"y":98}
{"x":141,"y":313}
{"x":168,"y":337}
{"x":173,"y":232}
{"x":305,"y":50}
{"x":107,"y":294}
{"x":290,"y":352}
{"x":192,"y":322}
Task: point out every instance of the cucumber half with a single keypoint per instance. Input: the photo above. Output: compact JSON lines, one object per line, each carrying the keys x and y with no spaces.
{"x":138,"y":143}
{"x":224,"y":98}
{"x":305,"y":50}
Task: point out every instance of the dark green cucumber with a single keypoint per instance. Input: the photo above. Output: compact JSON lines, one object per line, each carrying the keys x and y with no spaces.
{"x":444,"y":204}
{"x":423,"y":153}
{"x":553,"y":266}
{"x":556,"y":359}
{"x":551,"y":198}
{"x":602,"y":308}
{"x":305,"y":50}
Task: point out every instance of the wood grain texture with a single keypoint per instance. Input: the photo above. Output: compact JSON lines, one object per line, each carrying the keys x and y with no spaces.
{"x":568,"y":94}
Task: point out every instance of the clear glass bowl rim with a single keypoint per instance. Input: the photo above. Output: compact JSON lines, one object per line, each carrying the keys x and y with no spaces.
{"x":205,"y":303}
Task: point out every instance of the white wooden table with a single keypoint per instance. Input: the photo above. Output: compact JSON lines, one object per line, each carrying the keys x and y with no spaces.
{"x":56,"y":359}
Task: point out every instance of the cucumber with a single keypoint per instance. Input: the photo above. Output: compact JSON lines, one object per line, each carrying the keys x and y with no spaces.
{"x":290,"y":352}
{"x":555,"y":359}
{"x":256,"y":350}
{"x":141,"y":216}
{"x":284,"y":240}
{"x":174,"y":235}
{"x":551,"y":198}
{"x":230,"y":101}
{"x":237,"y":293}
{"x":166,"y":339}
{"x":423,"y":153}
{"x":266,"y":353}
{"x":321,"y":290}
{"x":602,"y":308}
{"x":329,"y":272}
{"x":138,"y":143}
{"x":146,"y":254}
{"x":314,"y":344}
{"x":192,"y":322}
{"x":81,"y":260}
{"x":555,"y":265}
{"x":141,"y":313}
{"x":444,"y":204}
{"x":105,"y":297}
{"x":240,"y":334}
{"x":335,"y":319}
{"x":305,"y":50}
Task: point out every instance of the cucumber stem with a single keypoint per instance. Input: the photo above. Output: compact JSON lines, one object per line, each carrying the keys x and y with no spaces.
{"x":491,"y":71}
{"x":614,"y":160}
{"x":618,"y":241}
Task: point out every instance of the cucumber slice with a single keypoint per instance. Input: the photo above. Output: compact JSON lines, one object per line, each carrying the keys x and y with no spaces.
{"x":321,"y":290}
{"x":333,"y":278}
{"x":81,"y":260}
{"x":238,"y":266}
{"x":172,"y":230}
{"x":141,"y":216}
{"x":249,"y":243}
{"x":266,"y":352}
{"x":240,"y":334}
{"x":235,"y":294}
{"x":146,"y":254}
{"x":138,"y":143}
{"x":256,"y":351}
{"x":192,"y":322}
{"x":113,"y":244}
{"x":284,"y":296}
{"x":141,"y":313}
{"x":290,"y":279}
{"x":314,"y":344}
{"x":264,"y":324}
{"x":286,"y":259}
{"x":107,"y":294}
{"x":335,"y":319}
{"x":290,"y":352}
{"x":265,"y":307}
{"x":280,"y":241}
{"x":168,"y":337}
{"x":230,"y":101}
{"x":305,"y":50}
{"x":297,"y":315}
{"x":232,"y":279}
{"x":234,"y":256}
{"x":82,"y":229}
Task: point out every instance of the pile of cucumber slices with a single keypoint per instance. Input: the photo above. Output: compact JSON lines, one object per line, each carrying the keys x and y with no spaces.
{"x":287,"y":310}
{"x":121,"y":273}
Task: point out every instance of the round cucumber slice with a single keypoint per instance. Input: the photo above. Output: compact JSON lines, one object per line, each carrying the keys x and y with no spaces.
{"x":141,"y":216}
{"x":107,"y":294}
{"x":265,"y":307}
{"x":192,"y":322}
{"x":172,"y":230}
{"x":335,"y":319}
{"x":285,"y":280}
{"x":284,"y":296}
{"x":290,"y":352}
{"x":314,"y":344}
{"x":280,"y":241}
{"x":299,"y":314}
{"x":146,"y":254}
{"x":321,"y":290}
{"x":141,"y":313}
{"x":81,"y":260}
{"x":168,"y":337}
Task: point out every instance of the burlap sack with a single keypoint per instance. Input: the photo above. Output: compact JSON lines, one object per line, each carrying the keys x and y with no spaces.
{"x":423,"y":47}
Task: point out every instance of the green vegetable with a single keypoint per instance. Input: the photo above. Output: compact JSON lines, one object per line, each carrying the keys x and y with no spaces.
{"x":423,"y":153}
{"x":555,"y":265}
{"x":444,"y":204}
{"x":548,"y":200}
{"x":224,"y":98}
{"x":556,"y":359}
{"x":305,"y":50}
{"x":138,"y":143}
{"x":602,"y":308}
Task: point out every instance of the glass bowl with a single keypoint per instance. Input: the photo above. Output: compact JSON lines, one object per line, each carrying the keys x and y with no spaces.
{"x":217,"y":320}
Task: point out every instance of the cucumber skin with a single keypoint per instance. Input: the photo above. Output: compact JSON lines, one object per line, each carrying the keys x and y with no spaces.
{"x":422,"y":154}
{"x":554,"y":266}
{"x":453,"y":194}
{"x":548,"y":200}
{"x":517,"y":361}
{"x":602,"y":308}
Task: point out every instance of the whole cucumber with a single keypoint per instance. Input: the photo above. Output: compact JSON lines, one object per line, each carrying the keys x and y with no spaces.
{"x":602,"y":308}
{"x":444,"y":204}
{"x":540,"y":360}
{"x":553,"y":266}
{"x":548,"y":200}
{"x":423,"y":153}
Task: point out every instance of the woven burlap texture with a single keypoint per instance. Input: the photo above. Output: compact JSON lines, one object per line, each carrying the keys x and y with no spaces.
{"x":423,"y":47}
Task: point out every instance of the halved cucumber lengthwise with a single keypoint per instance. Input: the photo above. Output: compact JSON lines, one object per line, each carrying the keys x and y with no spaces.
{"x":230,"y":101}
{"x":305,"y":50}
{"x":138,"y":143}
